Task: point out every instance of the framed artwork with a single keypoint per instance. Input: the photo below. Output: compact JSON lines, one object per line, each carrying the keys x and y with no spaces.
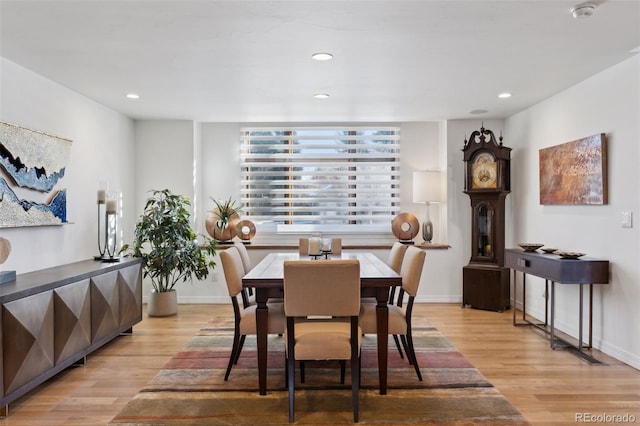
{"x":31,"y":166}
{"x":575,"y":172}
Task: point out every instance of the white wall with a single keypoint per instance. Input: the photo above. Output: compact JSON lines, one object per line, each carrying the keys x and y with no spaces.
{"x":605,"y":103}
{"x":423,"y":147}
{"x":102,"y":149}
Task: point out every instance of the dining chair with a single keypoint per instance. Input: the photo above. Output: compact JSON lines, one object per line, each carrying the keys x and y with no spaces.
{"x":399,"y":313}
{"x":245,"y":317}
{"x":396,"y":254}
{"x":247,"y":293}
{"x":303,"y":246}
{"x":328,"y":289}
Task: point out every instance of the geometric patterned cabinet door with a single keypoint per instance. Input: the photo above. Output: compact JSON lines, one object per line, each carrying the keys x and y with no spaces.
{"x":105,"y":306}
{"x":130,"y":288}
{"x":72,"y":318}
{"x":27,"y":339}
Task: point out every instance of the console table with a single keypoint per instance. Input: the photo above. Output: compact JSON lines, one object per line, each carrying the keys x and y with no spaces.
{"x":554,"y":269}
{"x":53,"y":318}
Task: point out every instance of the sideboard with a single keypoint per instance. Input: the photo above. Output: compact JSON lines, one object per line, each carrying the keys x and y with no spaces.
{"x":53,"y":318}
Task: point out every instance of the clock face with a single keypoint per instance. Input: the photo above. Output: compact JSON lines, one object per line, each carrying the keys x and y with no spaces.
{"x":483,"y":171}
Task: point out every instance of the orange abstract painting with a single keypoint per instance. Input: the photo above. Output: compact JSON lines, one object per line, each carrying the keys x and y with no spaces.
{"x":574,"y":172}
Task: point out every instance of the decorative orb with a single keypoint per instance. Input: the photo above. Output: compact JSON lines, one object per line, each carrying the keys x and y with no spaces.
{"x":405,"y":226}
{"x":5,"y":249}
{"x":245,"y":230}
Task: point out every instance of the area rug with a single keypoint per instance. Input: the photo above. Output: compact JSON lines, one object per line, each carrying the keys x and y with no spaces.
{"x":190,"y":389}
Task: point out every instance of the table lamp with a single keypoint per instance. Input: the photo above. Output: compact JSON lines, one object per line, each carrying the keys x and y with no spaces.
{"x":426,"y":189}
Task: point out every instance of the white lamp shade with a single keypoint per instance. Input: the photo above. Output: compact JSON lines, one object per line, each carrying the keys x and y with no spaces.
{"x":426,"y":186}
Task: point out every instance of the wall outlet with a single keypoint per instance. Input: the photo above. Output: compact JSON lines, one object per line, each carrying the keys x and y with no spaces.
{"x":626,"y":219}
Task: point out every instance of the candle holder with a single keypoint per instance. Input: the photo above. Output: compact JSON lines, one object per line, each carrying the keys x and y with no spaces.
{"x":103,"y":186}
{"x":111,"y":215}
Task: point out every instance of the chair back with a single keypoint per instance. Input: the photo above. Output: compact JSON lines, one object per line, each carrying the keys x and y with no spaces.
{"x":396,"y":255}
{"x":244,"y":255}
{"x":233,"y":270}
{"x":303,"y":246}
{"x":411,"y":271}
{"x":336,"y":245}
{"x":322,"y":287}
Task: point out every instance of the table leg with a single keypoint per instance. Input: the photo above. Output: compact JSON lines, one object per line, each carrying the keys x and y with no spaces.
{"x":382,"y":321}
{"x":262,"y":321}
{"x":581,"y":313}
{"x":553,"y":309}
{"x":590,"y":316}
{"x":514,"y":297}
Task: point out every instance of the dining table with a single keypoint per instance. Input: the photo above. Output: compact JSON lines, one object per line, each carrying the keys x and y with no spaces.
{"x":267,"y":280}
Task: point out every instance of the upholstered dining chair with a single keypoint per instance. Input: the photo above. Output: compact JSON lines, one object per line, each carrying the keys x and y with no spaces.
{"x":244,"y":317}
{"x":329,"y":289}
{"x":303,"y":246}
{"x":399,"y":313}
{"x":396,"y":254}
{"x":247,"y":293}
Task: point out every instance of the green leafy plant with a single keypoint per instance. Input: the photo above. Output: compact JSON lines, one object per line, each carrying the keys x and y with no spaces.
{"x":224,"y":211}
{"x":167,"y":244}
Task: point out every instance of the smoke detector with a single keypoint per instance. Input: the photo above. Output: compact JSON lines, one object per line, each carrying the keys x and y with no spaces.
{"x":583,"y":10}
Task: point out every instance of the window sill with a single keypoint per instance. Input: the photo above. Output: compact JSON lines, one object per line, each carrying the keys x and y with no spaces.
{"x":262,"y":246}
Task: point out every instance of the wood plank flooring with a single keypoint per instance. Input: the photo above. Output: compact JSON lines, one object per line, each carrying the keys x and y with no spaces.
{"x":548,"y":387}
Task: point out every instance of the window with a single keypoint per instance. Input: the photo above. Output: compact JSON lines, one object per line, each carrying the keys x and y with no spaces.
{"x":315,"y":178}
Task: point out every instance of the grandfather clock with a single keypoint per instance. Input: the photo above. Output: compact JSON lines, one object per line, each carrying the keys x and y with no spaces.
{"x":485,"y":280}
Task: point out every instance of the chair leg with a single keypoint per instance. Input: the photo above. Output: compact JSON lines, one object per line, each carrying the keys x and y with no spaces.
{"x":343,"y":364}
{"x":406,"y":348}
{"x":355,"y":387}
{"x":291,"y":385}
{"x":395,"y":339}
{"x":413,"y":356}
{"x":301,"y":371}
{"x":234,"y":355}
{"x":240,"y":346}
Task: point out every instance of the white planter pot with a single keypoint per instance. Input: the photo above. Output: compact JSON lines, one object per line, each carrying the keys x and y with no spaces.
{"x":162,"y":304}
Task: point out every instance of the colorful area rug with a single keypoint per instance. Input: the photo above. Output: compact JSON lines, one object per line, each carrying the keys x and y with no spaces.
{"x":191,"y":390}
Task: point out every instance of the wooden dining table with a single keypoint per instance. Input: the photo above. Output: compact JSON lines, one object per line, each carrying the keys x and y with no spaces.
{"x":267,"y":280}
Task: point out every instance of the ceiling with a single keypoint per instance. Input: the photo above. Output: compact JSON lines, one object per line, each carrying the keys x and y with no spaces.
{"x":250,"y":61}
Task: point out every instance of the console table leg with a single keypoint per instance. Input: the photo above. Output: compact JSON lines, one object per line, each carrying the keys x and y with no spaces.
{"x":553,"y":308}
{"x":590,"y":316}
{"x":580,"y":310}
{"x":546,"y":302}
{"x":514,"y":297}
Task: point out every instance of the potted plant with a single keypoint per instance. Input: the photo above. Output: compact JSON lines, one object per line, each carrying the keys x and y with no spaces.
{"x":220,"y":222}
{"x":168,"y":247}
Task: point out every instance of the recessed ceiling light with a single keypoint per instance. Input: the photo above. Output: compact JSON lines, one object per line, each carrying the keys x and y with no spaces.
{"x":133,"y":96}
{"x":321,"y":96}
{"x":322,"y":56}
{"x":478,"y":111}
{"x":504,"y":95}
{"x":582,"y":11}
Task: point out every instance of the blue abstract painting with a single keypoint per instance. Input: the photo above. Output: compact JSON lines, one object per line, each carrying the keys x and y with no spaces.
{"x":34,"y":162}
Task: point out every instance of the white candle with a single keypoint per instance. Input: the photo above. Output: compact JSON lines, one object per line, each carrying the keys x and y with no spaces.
{"x":326,"y":244}
{"x":102,"y":195}
{"x":112,"y":206}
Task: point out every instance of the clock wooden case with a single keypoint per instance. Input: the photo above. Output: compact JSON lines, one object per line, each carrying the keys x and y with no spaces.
{"x":485,"y":280}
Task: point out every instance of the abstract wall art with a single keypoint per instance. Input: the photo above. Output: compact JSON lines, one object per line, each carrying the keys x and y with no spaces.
{"x":31,"y":165}
{"x":575,"y":172}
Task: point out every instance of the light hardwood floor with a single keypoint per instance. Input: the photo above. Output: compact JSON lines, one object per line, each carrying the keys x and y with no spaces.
{"x":548,"y":387}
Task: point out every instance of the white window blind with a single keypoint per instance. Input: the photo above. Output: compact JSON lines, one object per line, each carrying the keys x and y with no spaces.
{"x":321,"y":176}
